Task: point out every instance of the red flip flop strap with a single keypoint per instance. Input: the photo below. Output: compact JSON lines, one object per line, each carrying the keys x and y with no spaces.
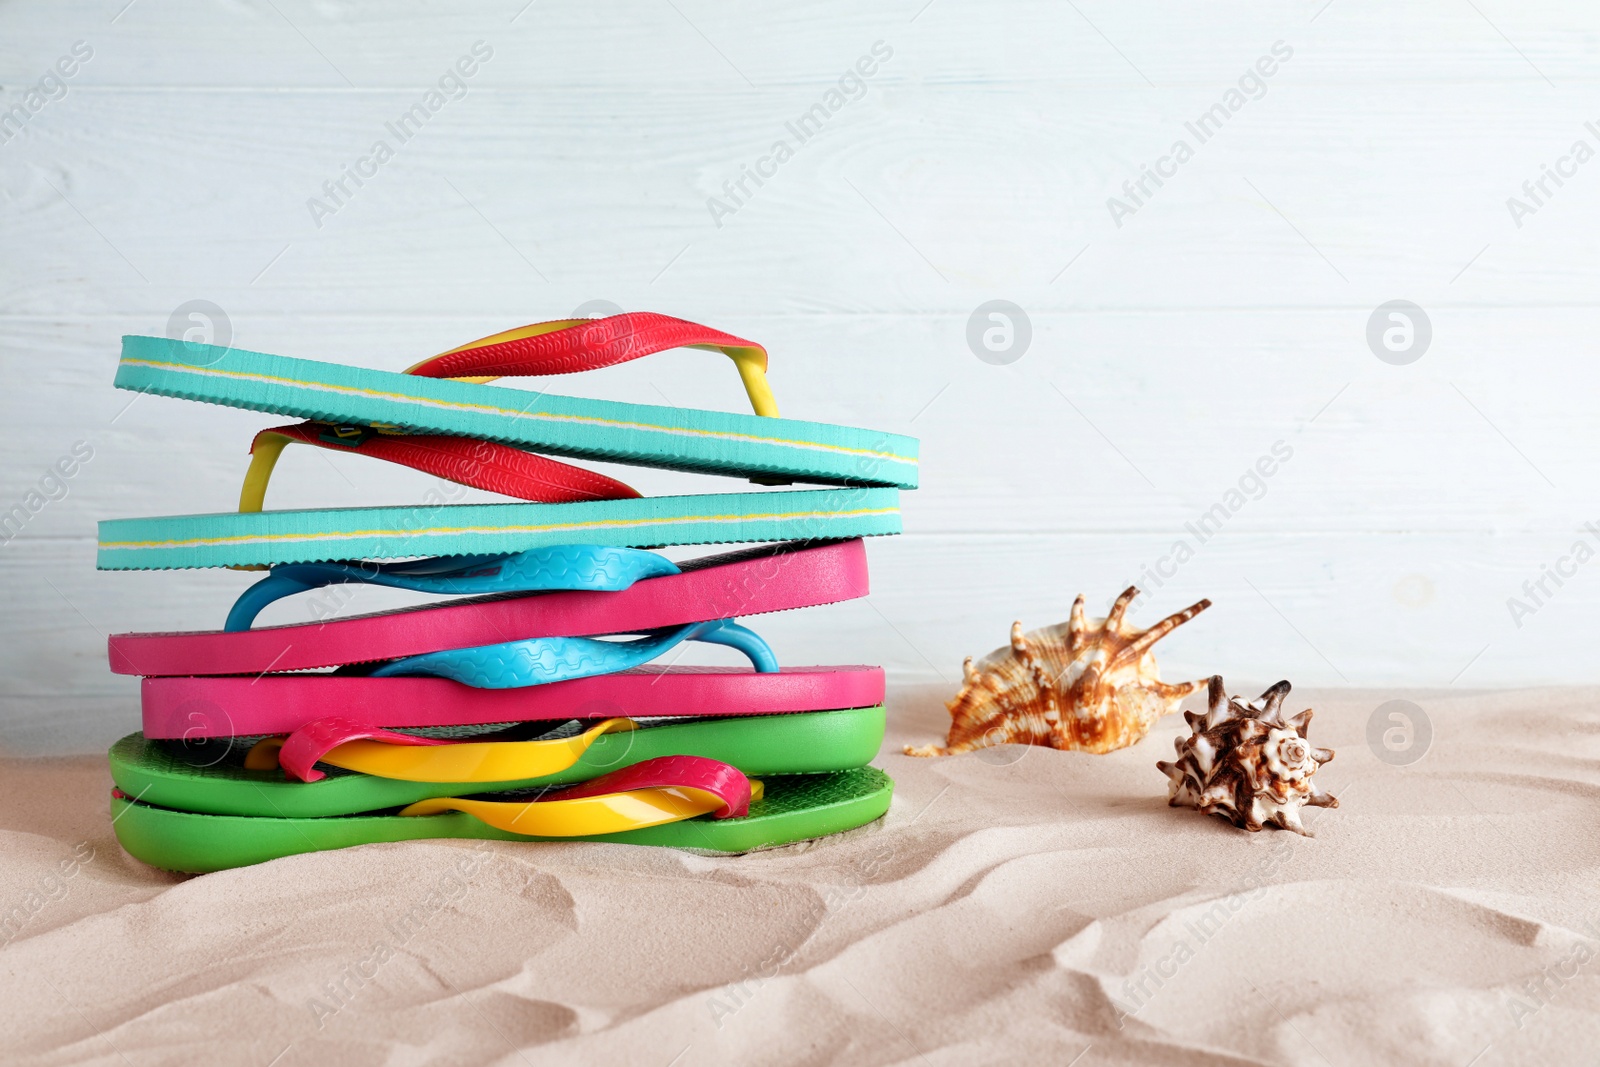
{"x":316,"y":739}
{"x":481,"y":464}
{"x":693,"y":772}
{"x":586,"y":346}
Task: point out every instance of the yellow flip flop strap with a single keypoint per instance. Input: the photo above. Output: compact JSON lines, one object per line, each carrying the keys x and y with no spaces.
{"x":268,"y":447}
{"x":468,"y":761}
{"x":585,"y":816}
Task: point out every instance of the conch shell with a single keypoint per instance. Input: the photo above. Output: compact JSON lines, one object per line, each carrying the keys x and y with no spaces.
{"x":1086,"y":684}
{"x":1247,"y":763}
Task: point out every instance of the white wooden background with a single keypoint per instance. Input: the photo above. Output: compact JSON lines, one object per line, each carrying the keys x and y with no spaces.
{"x":1229,"y":313}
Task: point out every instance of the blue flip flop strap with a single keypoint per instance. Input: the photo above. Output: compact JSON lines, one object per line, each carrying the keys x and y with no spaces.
{"x":592,"y":567}
{"x":539,"y":661}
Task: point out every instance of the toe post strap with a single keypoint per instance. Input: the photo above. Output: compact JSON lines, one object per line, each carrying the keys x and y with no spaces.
{"x":567,"y":346}
{"x":563,"y":346}
{"x":543,"y":660}
{"x":655,"y":791}
{"x":360,"y":746}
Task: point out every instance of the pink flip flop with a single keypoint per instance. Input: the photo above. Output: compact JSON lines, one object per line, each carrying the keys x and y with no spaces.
{"x":754,"y":582}
{"x":193,"y":708}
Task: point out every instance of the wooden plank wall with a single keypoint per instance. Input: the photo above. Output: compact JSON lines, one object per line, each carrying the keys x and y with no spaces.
{"x":1172,"y":346}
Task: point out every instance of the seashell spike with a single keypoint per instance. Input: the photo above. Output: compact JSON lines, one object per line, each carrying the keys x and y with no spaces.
{"x":1087,"y":684}
{"x":1246,"y":763}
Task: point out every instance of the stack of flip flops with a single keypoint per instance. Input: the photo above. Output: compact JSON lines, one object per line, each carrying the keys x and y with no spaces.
{"x":519,"y":708}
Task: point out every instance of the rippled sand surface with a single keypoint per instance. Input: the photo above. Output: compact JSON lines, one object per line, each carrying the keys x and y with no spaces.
{"x":1014,"y":903}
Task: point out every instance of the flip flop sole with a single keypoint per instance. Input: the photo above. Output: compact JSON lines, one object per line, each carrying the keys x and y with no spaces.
{"x":267,"y":538}
{"x":209,"y":778}
{"x":641,"y":434}
{"x":750,"y":582}
{"x":238,"y":706}
{"x":795,"y":808}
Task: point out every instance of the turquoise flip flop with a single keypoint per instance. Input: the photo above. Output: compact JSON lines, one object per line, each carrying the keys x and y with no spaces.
{"x":269,"y":538}
{"x":752,"y":446}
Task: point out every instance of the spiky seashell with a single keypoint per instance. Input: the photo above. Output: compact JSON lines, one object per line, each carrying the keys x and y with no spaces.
{"x":1088,"y":684}
{"x":1247,"y":763}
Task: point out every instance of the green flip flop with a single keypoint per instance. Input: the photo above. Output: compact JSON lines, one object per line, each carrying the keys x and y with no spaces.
{"x":209,"y":776}
{"x":792,"y":808}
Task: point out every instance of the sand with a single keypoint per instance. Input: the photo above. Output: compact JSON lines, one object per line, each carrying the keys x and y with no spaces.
{"x":1017,"y":904}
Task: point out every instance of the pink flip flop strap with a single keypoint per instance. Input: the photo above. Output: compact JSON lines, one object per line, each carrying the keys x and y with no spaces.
{"x":745,"y":583}
{"x":485,"y":465}
{"x":586,"y":346}
{"x":693,"y":772}
{"x":499,"y":468}
{"x":195,"y":707}
{"x":316,"y":739}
